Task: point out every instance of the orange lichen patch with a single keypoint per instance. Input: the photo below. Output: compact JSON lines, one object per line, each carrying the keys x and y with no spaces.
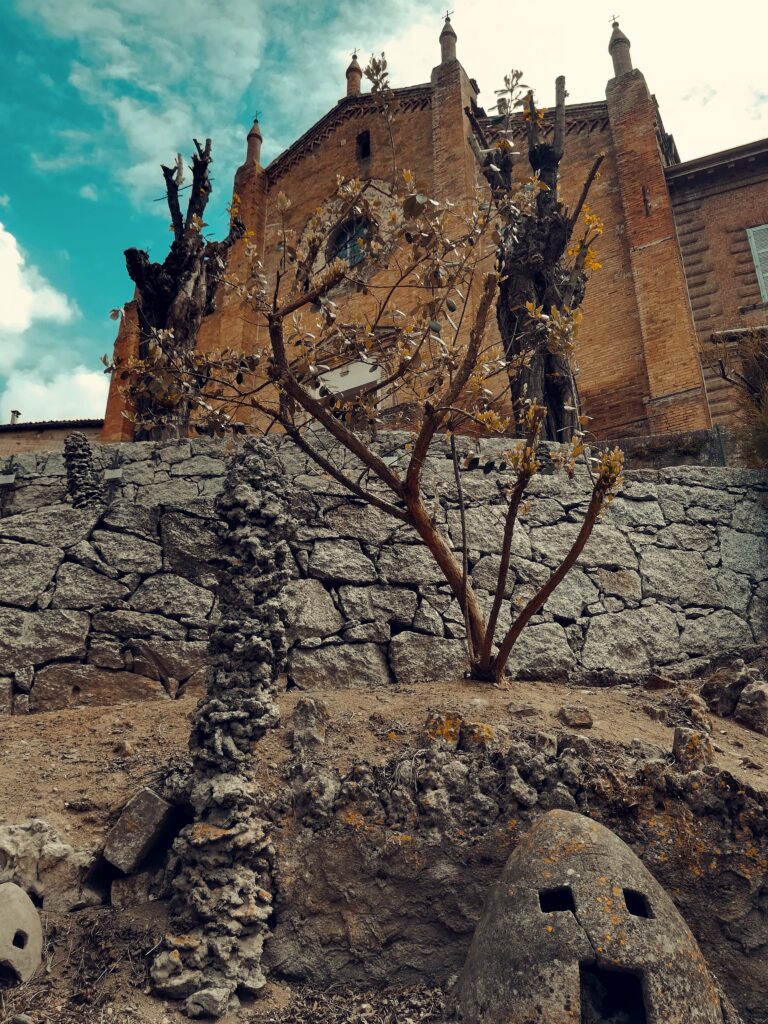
{"x":476,"y":734}
{"x":445,"y":727}
{"x":549,"y":928}
{"x":352,"y":817}
{"x":202,"y":833}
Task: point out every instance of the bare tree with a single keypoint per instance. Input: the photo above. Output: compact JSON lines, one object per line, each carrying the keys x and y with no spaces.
{"x":172,"y":297}
{"x":537,"y":283}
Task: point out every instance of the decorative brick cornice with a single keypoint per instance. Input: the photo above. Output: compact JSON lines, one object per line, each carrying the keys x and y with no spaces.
{"x":415,"y":97}
{"x":579,"y":117}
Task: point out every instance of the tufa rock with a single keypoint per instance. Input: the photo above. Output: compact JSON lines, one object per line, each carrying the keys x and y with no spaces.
{"x":137,"y":830}
{"x":722,"y":690}
{"x":576,"y":716}
{"x":752,"y":709}
{"x":310,"y":719}
{"x":83,"y":484}
{"x":691,"y":749}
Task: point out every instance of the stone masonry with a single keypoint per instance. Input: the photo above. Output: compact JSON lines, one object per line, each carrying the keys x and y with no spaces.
{"x":99,"y":606}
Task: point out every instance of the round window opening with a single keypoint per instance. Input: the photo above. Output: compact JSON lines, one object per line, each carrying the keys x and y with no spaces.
{"x":348,"y":241}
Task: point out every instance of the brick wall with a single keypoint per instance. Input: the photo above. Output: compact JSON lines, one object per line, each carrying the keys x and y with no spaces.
{"x":713,"y":206}
{"x":49,"y":438}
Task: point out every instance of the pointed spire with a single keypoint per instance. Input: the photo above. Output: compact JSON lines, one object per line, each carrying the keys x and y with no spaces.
{"x":255,"y":139}
{"x":618,"y":48}
{"x":447,"y":41}
{"x":354,"y":77}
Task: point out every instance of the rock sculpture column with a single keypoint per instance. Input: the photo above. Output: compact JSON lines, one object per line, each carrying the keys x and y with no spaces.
{"x":221,"y":864}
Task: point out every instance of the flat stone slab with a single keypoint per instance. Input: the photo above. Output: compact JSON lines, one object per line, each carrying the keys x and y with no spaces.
{"x":136,"y":831}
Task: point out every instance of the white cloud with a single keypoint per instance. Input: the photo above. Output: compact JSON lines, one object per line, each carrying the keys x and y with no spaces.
{"x":5,"y":201}
{"x":25,"y":295}
{"x":79,"y":393}
{"x":186,"y":77}
{"x":38,"y":381}
{"x":89,"y":192}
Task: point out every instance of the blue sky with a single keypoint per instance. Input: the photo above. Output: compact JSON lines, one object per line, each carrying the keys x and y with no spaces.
{"x":96,"y":95}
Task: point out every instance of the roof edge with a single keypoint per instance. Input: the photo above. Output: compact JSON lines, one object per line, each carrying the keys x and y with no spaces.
{"x":715,"y":161}
{"x":10,"y":428}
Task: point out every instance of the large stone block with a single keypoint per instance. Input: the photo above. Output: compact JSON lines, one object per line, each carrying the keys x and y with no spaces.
{"x":485,"y":531}
{"x":717,"y":634}
{"x":341,"y":561}
{"x":310,"y":611}
{"x":168,"y":659}
{"x":541,"y":652}
{"x":744,"y":552}
{"x":572,"y":596}
{"x":632,"y":641}
{"x":141,"y":825}
{"x":128,"y":625}
{"x":66,"y":686}
{"x":338,"y":667}
{"x":606,"y":547}
{"x":418,"y":658}
{"x":60,"y":526}
{"x":409,"y":563}
{"x":26,"y":570}
{"x":678,"y":577}
{"x":80,"y":587}
{"x":34,"y":638}
{"x":367,"y":604}
{"x":126,"y":552}
{"x":752,"y":708}
{"x":190,"y":543}
{"x":172,"y":595}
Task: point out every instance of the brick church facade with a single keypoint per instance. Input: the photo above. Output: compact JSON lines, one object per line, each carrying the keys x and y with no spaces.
{"x":684,"y":252}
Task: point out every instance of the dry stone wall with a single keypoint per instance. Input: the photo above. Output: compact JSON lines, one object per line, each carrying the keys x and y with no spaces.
{"x":117,"y":602}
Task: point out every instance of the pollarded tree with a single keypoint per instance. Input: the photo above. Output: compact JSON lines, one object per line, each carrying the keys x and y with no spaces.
{"x":172,"y":297}
{"x":420,"y":354}
{"x":543,"y":275}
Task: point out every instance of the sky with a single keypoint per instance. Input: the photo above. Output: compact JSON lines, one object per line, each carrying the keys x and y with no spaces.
{"x":97,"y":93}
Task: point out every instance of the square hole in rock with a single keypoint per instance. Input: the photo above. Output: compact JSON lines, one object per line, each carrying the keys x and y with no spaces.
{"x":553,"y":900}
{"x":611,"y":996}
{"x":637,"y":903}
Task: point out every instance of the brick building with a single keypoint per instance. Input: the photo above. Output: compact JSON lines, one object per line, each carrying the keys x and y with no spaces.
{"x":684,"y":251}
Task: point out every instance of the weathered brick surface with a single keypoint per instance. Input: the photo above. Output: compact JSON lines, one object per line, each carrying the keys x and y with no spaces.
{"x":638,"y":350}
{"x":714,"y":202}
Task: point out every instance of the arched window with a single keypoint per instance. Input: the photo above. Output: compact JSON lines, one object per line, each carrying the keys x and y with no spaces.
{"x":348,"y":241}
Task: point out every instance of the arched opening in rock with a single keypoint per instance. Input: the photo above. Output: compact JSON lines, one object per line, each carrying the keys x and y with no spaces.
{"x":8,"y":976}
{"x":611,"y":996}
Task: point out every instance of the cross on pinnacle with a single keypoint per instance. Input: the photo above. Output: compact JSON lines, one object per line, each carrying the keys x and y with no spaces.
{"x":354,"y":53}
{"x":448,"y":14}
{"x":614,"y":19}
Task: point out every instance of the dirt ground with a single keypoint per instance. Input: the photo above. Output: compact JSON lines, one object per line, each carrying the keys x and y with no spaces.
{"x":76,"y":769}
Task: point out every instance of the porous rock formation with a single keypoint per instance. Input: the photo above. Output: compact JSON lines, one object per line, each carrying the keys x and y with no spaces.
{"x":221,"y":865}
{"x":382,"y":869}
{"x":82,"y":481}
